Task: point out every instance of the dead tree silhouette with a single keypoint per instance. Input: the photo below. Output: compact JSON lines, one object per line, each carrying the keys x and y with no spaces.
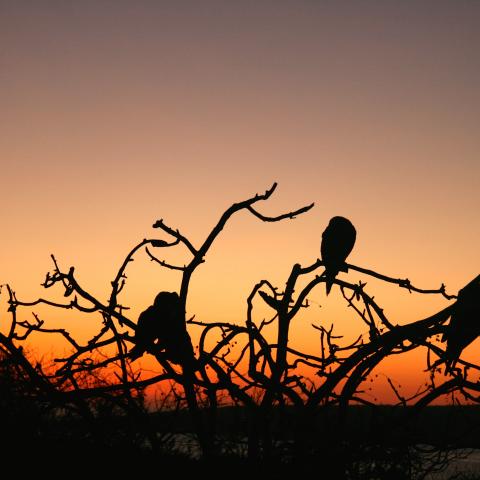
{"x":251,"y":363}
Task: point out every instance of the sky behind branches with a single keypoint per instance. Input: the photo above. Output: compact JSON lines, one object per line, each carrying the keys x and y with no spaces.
{"x":117,"y":113}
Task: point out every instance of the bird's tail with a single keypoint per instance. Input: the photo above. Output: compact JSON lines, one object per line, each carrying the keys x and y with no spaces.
{"x":330,"y":278}
{"x":180,"y":350}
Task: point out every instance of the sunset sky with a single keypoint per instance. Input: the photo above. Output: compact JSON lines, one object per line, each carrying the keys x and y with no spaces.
{"x":117,"y":113}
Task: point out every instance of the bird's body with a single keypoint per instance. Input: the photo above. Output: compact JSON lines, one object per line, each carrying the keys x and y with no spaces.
{"x":464,"y":326}
{"x":163,"y":323}
{"x":338,"y":240}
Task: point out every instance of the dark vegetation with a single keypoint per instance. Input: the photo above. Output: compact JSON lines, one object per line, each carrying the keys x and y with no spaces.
{"x":237,"y":402}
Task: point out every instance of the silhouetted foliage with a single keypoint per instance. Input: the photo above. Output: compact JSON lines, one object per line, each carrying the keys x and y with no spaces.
{"x":286,"y":420}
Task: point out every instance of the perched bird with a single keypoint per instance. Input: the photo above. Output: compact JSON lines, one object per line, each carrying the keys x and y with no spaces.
{"x":163,"y":323}
{"x":337,"y":242}
{"x":464,"y":326}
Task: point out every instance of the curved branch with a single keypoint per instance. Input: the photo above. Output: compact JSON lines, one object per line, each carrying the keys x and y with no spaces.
{"x":413,"y":332}
{"x":290,"y":215}
{"x":119,"y":281}
{"x":443,"y":389}
{"x":162,"y":262}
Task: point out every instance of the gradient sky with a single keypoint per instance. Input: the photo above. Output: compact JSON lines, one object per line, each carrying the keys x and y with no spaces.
{"x":115,"y":114}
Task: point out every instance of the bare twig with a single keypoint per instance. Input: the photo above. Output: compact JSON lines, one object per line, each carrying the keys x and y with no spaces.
{"x":402,"y":282}
{"x":163,"y":263}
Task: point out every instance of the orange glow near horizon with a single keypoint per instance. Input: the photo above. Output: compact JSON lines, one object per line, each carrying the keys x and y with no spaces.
{"x":119,"y":114}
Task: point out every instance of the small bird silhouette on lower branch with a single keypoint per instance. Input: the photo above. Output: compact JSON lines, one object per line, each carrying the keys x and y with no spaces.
{"x":163,"y":324}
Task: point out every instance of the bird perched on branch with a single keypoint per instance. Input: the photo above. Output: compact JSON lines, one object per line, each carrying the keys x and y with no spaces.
{"x":163,"y":323}
{"x":338,"y":240}
{"x":464,"y":326}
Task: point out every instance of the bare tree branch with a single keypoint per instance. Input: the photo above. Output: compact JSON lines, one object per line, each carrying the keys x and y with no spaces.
{"x":403,"y":283}
{"x":290,"y":215}
{"x":163,"y":263}
{"x":175,"y":234}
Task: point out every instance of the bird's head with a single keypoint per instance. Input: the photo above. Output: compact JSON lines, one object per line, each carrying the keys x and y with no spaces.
{"x":339,"y":221}
{"x":166,"y":299}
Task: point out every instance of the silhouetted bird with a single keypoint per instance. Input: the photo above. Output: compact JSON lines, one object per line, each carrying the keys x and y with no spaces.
{"x":464,"y":326}
{"x":337,"y":242}
{"x":163,"y":323}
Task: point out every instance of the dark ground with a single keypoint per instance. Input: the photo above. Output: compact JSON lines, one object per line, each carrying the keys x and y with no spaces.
{"x":114,"y":444}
